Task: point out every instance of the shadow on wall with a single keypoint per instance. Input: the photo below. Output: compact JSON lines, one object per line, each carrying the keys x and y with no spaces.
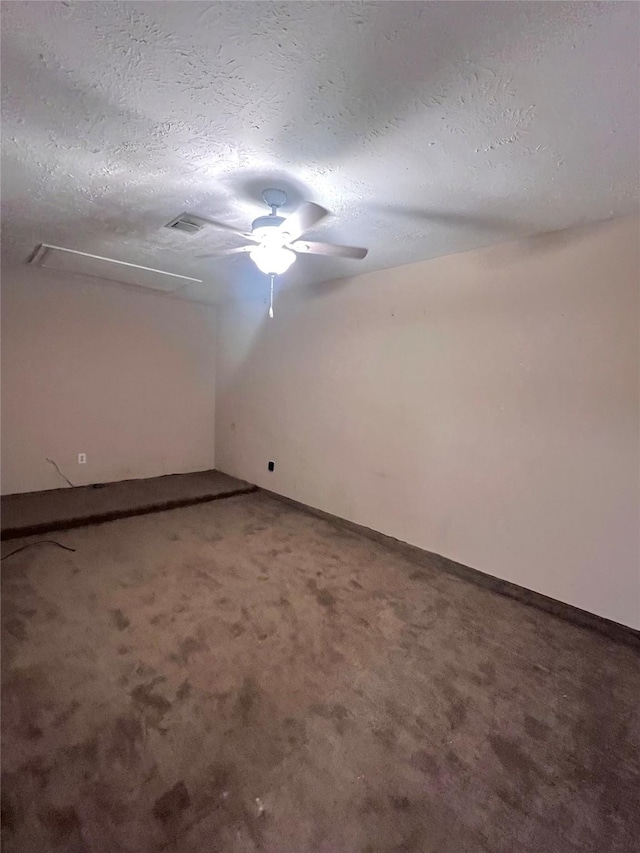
{"x":497,"y":257}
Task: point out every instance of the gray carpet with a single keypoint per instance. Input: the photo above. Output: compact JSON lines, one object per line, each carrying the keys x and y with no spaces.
{"x":243,"y":676}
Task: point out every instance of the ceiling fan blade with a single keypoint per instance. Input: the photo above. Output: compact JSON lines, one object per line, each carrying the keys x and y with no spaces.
{"x":224,"y":227}
{"x":304,"y":218}
{"x":224,"y":252}
{"x":309,"y":248}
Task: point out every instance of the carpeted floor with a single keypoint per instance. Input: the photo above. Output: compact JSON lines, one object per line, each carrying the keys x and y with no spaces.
{"x":243,"y":676}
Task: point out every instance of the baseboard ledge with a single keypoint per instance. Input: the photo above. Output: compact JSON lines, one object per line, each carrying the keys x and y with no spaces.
{"x":116,"y":515}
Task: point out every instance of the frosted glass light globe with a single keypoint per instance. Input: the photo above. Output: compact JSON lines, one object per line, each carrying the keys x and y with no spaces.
{"x":272,"y":260}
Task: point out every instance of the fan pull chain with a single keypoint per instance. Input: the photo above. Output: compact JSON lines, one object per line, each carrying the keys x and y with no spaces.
{"x":271,"y":302}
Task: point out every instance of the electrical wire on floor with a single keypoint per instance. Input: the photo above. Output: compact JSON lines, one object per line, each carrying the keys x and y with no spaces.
{"x":60,"y":472}
{"x":40,"y":542}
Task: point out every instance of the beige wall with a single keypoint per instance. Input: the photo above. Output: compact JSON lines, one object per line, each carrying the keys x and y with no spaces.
{"x":483,"y":406}
{"x":125,"y":376}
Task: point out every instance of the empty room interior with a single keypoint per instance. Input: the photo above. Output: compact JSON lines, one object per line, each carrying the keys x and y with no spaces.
{"x":320,"y":427}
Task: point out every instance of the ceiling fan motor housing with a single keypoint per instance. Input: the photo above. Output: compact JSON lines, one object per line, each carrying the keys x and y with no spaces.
{"x":265,"y":228}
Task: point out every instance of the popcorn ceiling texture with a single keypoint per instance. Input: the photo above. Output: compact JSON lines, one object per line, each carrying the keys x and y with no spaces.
{"x":427,"y":128}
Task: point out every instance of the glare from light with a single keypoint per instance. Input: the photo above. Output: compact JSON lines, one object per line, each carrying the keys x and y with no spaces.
{"x":272,"y":260}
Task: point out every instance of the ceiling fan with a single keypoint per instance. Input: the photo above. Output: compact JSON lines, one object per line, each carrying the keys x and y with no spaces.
{"x":275,"y":239}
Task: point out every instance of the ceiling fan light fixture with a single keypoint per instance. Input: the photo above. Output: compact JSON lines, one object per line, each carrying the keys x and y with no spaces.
{"x":272,"y":260}
{"x":276,"y":237}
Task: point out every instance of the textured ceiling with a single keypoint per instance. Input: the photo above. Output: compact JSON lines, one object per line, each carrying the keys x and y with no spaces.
{"x":427,"y":128}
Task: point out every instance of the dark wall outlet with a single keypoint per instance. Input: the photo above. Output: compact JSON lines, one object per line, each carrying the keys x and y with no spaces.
{"x":271,"y":466}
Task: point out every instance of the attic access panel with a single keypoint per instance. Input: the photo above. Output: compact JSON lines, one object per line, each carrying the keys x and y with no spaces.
{"x":82,"y":263}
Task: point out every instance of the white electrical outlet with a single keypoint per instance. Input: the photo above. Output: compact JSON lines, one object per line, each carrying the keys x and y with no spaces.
{"x":82,"y":458}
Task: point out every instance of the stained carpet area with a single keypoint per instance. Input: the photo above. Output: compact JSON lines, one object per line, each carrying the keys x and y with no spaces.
{"x":243,"y":676}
